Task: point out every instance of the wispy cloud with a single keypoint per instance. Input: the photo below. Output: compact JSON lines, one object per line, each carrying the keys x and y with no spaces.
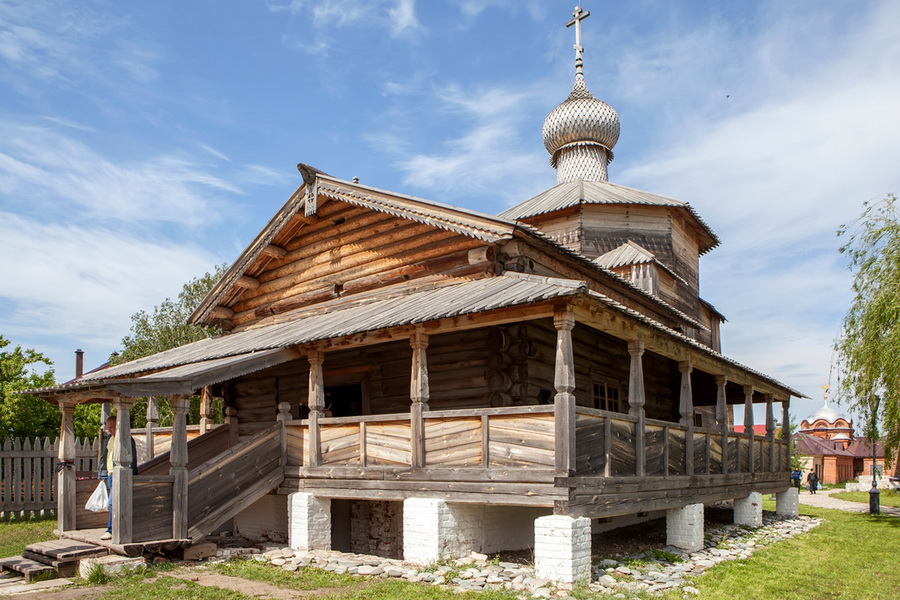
{"x":54,"y":271}
{"x":397,"y":17}
{"x":57,"y":172}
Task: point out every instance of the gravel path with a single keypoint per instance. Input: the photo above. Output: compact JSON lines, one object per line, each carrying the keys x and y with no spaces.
{"x":823,"y":499}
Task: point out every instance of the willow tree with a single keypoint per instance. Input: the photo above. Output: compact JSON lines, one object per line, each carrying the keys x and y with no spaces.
{"x":869,"y":344}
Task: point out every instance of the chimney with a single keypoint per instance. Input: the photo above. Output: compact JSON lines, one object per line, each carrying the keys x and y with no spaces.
{"x":79,"y":363}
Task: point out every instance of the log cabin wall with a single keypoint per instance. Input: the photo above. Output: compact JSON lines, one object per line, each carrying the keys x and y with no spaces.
{"x":457,"y":373}
{"x":347,"y":250}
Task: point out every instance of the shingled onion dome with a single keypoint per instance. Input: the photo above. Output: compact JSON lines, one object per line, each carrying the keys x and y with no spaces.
{"x":581,"y":132}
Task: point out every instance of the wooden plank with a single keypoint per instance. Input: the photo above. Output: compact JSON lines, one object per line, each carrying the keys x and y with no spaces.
{"x":438,"y":474}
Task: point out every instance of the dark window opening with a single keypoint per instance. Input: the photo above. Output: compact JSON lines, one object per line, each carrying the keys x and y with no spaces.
{"x":343,"y":400}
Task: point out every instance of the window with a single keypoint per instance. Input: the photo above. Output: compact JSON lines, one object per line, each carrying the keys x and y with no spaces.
{"x":606,"y":397}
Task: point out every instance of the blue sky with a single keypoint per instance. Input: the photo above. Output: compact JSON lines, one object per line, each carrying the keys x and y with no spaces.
{"x":143,"y":143}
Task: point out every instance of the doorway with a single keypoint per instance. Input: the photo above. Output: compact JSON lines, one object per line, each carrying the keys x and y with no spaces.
{"x":344,"y":400}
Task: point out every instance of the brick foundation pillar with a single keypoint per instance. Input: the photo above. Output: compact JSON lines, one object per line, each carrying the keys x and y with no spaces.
{"x":562,"y":548}
{"x":309,"y":522}
{"x":429,"y":531}
{"x":748,"y":511}
{"x":787,"y":503}
{"x":684,"y":527}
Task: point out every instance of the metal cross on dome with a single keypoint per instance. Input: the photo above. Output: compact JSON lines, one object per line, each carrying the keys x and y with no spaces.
{"x":579,"y":15}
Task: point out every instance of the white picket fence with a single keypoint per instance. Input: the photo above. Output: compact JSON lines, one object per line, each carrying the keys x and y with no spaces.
{"x":28,"y":474}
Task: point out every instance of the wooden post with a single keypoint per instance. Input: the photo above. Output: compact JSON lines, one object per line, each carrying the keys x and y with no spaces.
{"x":178,"y":459}
{"x":686,"y":408}
{"x":316,"y":405}
{"x":770,"y":432}
{"x":722,"y":418}
{"x":786,"y":431}
{"x":205,"y":410}
{"x":65,"y":471}
{"x":564,"y":382}
{"x":233,"y":425}
{"x":123,"y":477}
{"x":636,"y":401}
{"x":105,"y":413}
{"x":418,"y":394}
{"x":152,"y":422}
{"x":748,"y":426}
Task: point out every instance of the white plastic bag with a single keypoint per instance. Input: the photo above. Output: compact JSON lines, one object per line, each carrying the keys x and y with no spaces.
{"x":99,"y":500}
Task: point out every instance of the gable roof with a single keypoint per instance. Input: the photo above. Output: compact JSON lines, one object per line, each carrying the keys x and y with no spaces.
{"x":631,"y":253}
{"x":574,"y":193}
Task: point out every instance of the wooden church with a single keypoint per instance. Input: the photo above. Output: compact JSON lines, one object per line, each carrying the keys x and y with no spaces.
{"x":405,"y":378}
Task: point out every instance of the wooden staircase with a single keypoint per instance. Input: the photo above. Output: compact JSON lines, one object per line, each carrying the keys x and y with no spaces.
{"x":47,"y":560}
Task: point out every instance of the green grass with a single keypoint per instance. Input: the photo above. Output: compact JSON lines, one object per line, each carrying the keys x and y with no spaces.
{"x":166,"y":588}
{"x":307,"y":578}
{"x":848,"y":557}
{"x":391,"y":589}
{"x":15,"y":534}
{"x":887,"y":497}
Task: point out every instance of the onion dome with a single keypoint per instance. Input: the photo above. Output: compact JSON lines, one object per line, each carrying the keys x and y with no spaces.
{"x":581,"y":132}
{"x":826,"y":413}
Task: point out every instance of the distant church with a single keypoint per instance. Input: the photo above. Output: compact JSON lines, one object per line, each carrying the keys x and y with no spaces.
{"x":825,"y":439}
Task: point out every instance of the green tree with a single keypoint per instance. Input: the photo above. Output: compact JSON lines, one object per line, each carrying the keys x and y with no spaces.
{"x":164,"y":328}
{"x":868,"y":347}
{"x":22,"y":415}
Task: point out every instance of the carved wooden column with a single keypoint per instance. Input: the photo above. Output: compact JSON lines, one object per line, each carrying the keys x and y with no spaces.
{"x":123,"y":477}
{"x":284,"y":415}
{"x":636,"y":399}
{"x":152,"y":422}
{"x":786,"y":430}
{"x":564,"y":382}
{"x":686,"y":408}
{"x":722,"y":418}
{"x":65,"y":470}
{"x":205,"y":410}
{"x":748,"y":426}
{"x":105,"y":413}
{"x":316,"y":405}
{"x":770,"y":432}
{"x":418,"y":394}
{"x":178,"y":459}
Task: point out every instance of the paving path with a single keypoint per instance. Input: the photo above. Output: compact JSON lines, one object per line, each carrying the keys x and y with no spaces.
{"x":823,"y":499}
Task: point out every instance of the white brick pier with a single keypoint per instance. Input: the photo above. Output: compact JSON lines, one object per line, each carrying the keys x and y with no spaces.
{"x":748,"y":511}
{"x":787,"y":503}
{"x":562,"y":548}
{"x":309,"y":522}
{"x":684,"y":527}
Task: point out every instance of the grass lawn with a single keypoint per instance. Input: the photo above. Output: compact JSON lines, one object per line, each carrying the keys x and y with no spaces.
{"x":15,"y":534}
{"x":849,"y":556}
{"x":887,"y":497}
{"x":308,"y":578}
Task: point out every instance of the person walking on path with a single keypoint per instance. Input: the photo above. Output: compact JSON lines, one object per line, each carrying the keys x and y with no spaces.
{"x":796,"y":477}
{"x":108,"y":456}
{"x":812,"y":481}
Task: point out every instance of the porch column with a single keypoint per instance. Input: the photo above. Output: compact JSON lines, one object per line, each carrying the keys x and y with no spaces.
{"x":316,"y":405}
{"x":786,"y":431}
{"x":178,"y":459}
{"x":686,"y":408}
{"x":123,"y":477}
{"x":564,"y":382}
{"x":722,"y":418}
{"x":418,"y":395}
{"x":105,"y":413}
{"x":748,"y":425}
{"x":152,"y":422}
{"x":636,"y":400}
{"x":770,"y":432}
{"x":205,"y":410}
{"x":65,"y":470}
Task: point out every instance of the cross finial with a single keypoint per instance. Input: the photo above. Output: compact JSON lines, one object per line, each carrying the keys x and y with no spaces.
{"x":578,"y":16}
{"x":825,"y":388}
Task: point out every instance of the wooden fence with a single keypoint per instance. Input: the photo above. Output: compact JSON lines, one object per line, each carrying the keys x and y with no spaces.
{"x":28,"y":474}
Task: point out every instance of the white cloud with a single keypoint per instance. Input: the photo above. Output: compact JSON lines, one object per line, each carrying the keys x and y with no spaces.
{"x":86,"y":281}
{"x":40,"y":167}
